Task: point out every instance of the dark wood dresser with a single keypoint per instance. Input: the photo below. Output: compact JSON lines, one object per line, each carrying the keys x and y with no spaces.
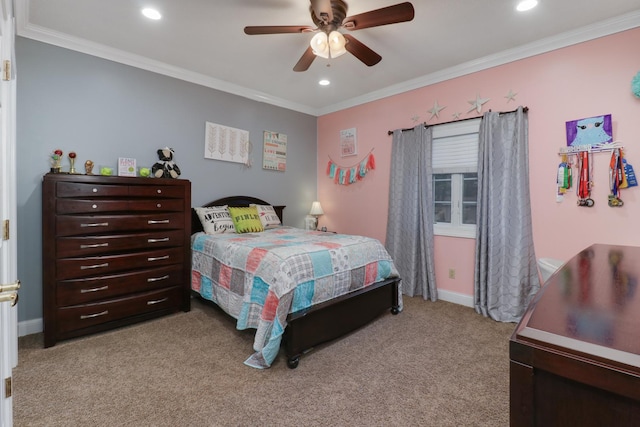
{"x":575,"y":355}
{"x":116,"y":250}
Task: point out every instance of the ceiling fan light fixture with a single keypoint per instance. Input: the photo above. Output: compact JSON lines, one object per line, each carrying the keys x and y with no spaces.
{"x":332,"y":45}
{"x":320,"y":45}
{"x":337,"y":44}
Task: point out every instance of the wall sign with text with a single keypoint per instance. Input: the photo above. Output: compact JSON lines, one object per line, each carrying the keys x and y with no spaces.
{"x":274,"y":156}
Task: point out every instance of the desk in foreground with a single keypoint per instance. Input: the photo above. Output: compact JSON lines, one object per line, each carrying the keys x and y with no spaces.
{"x":575,"y":355}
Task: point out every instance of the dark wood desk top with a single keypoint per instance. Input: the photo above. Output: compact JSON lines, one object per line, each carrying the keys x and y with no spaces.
{"x":591,"y":306}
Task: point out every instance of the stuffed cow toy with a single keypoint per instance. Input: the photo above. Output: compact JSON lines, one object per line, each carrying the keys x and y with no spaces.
{"x":165,"y":167}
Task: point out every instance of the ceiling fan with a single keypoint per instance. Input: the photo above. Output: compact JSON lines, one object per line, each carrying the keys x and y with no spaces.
{"x":331,"y":15}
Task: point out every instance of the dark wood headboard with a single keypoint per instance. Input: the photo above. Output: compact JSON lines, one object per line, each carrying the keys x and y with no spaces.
{"x":234,"y":201}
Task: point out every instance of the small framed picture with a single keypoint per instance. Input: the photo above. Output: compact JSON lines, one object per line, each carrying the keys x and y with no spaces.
{"x":126,"y":166}
{"x":348,"y":144}
{"x":310,"y":222}
{"x":590,"y":131}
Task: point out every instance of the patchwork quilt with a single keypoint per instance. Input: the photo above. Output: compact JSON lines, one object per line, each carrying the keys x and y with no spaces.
{"x":259,"y":278}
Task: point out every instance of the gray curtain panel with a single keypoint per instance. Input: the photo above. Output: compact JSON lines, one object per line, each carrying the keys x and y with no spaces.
{"x":409,"y":237}
{"x":506,"y":277}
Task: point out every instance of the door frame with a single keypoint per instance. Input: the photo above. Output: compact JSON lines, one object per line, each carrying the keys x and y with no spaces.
{"x":8,"y":210}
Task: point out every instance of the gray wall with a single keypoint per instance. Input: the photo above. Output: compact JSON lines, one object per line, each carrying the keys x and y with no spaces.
{"x":103,"y":110}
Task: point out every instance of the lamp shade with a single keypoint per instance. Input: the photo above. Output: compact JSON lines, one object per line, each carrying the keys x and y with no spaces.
{"x":320,"y":45}
{"x":331,"y":45}
{"x":337,"y":44}
{"x":316,"y":209}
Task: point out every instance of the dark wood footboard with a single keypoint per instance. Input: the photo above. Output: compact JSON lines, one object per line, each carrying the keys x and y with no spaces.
{"x":337,"y":317}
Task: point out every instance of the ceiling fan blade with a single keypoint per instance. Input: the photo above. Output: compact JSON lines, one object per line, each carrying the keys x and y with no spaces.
{"x":402,"y":12}
{"x":277,"y":29}
{"x":305,"y":60}
{"x":322,"y":10}
{"x":360,"y":51}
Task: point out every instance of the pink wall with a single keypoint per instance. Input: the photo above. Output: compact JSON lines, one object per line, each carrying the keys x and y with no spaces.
{"x":584,"y":80}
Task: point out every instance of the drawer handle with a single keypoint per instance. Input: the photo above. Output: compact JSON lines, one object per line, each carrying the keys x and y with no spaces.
{"x":103,"y":288}
{"x":164,"y":239}
{"x":158,"y":221}
{"x":91,"y":316}
{"x":94,"y":190}
{"x":158,"y":301}
{"x":155,"y":279}
{"x":159,"y":191}
{"x":87,"y":267}
{"x":95,"y":245}
{"x":95,"y":224}
{"x":94,"y":206}
{"x":158,"y":258}
{"x":158,"y":205}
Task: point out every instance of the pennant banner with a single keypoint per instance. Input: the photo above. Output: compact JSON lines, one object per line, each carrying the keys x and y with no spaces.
{"x":350,"y":174}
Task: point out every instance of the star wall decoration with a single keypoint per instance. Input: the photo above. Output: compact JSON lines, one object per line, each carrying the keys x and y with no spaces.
{"x":511,"y":96}
{"x":456,"y":116}
{"x":477,"y":104}
{"x":435,"y":111}
{"x":415,"y":119}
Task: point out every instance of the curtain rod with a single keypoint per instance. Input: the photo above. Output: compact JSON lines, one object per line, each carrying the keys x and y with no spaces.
{"x":525,"y":109}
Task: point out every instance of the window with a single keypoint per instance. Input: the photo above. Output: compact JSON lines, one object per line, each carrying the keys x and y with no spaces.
{"x":455,"y":178}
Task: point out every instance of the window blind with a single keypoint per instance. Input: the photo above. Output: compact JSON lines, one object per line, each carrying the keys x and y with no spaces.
{"x":455,"y":147}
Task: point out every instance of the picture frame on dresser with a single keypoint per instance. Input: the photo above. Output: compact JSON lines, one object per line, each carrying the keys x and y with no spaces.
{"x":115,"y":251}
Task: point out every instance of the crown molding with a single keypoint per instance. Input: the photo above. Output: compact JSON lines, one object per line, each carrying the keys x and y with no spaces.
{"x":600,"y":29}
{"x":580,"y":35}
{"x":41,"y":34}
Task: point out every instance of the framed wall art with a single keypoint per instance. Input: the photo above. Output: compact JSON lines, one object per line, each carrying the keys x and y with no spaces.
{"x":274,"y":155}
{"x":226,"y":143}
{"x":590,"y":132}
{"x":348,"y":146}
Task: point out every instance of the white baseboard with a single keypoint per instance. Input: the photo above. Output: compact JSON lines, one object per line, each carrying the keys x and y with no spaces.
{"x":456,"y":298}
{"x":28,"y":327}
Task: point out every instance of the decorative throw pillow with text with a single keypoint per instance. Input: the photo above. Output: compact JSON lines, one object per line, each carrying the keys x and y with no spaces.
{"x":246,"y":220}
{"x":216,"y":219}
{"x":268,"y":216}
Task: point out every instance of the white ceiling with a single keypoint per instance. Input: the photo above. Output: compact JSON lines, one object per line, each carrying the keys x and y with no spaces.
{"x":203,"y":41}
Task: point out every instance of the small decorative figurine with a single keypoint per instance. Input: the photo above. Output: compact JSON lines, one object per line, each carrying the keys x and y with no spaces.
{"x":56,"y":158}
{"x":88,"y":167}
{"x":72,"y":161}
{"x":165,"y":168}
{"x":106,"y":171}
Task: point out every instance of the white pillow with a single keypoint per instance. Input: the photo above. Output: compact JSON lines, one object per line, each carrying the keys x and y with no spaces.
{"x":216,"y":220}
{"x":268,"y":216}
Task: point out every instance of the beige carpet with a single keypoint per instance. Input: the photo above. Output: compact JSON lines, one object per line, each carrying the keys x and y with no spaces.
{"x":435,"y":364}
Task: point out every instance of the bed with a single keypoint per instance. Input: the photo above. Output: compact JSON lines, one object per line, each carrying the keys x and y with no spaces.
{"x":297,"y":288}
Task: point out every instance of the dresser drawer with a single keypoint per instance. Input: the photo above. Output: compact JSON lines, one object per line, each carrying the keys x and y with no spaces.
{"x":83,"y":316}
{"x":158,"y":205}
{"x":76,"y":189}
{"x":79,"y":246}
{"x":79,"y":291}
{"x":72,"y":225}
{"x":82,"y":190}
{"x":160,"y":191}
{"x":73,"y":268}
{"x":71,"y":206}
{"x":77,"y":206}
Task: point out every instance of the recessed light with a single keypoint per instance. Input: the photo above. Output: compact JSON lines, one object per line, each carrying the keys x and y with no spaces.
{"x":525,"y":5}
{"x":151,"y":13}
{"x":324,"y":82}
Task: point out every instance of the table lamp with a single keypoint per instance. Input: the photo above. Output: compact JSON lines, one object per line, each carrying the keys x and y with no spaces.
{"x":316,"y":211}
